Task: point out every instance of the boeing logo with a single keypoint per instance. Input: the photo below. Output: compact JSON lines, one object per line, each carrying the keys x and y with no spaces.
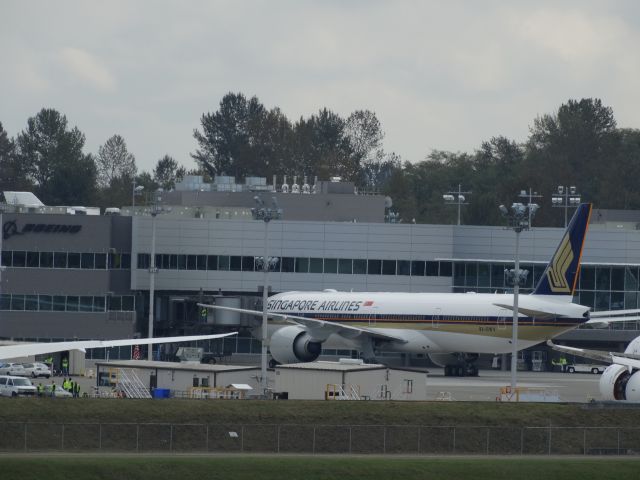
{"x":10,"y":228}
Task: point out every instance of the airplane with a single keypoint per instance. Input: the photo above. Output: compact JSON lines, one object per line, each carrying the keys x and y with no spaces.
{"x":451,"y":328}
{"x":27,"y":349}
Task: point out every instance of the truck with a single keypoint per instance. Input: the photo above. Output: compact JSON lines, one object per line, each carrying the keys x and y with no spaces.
{"x":585,"y":368}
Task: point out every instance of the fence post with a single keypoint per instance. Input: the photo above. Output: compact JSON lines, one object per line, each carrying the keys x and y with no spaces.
{"x":313,"y":445}
{"x":549,"y":446}
{"x":25,"y":436}
{"x":584,"y":441}
{"x":242,"y":438}
{"x":618,"y":441}
{"x":99,"y":436}
{"x":171,"y":437}
{"x":62,"y":437}
{"x":384,"y":440}
{"x":419,"y":431}
{"x":454,"y":440}
{"x":349,"y":438}
{"x":522,"y":441}
{"x":206,"y":442}
{"x":137,"y":437}
{"x":488,"y":432}
{"x":278,"y":439}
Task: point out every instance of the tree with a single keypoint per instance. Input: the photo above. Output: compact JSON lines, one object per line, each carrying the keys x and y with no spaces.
{"x":114,"y":161}
{"x":13,"y":175}
{"x":52,"y":158}
{"x":167,"y":172}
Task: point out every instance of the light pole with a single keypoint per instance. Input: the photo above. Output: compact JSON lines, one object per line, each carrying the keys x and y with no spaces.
{"x":156,"y":208}
{"x":456,"y":197}
{"x":529,"y":196}
{"x":266,"y":215}
{"x":135,"y":190}
{"x":565,"y":198}
{"x":519,"y":220}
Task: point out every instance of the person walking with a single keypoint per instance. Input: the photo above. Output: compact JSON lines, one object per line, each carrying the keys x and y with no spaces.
{"x":65,"y":366}
{"x":52,"y":389}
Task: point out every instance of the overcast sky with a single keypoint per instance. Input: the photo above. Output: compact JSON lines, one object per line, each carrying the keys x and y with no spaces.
{"x":439,"y":75}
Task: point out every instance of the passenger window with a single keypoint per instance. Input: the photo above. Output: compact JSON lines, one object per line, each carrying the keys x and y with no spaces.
{"x":3,"y":381}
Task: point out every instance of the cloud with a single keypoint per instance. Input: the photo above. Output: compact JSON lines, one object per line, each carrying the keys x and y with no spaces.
{"x":87,"y":68}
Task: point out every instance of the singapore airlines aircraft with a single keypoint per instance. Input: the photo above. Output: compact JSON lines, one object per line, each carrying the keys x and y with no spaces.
{"x":452,"y":328}
{"x":27,"y":349}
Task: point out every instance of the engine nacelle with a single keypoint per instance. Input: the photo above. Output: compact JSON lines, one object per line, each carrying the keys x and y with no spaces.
{"x":293,"y":345}
{"x":616,"y":383}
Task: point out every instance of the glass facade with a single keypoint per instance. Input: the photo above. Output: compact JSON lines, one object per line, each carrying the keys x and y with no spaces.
{"x":67,"y":303}
{"x":85,"y":260}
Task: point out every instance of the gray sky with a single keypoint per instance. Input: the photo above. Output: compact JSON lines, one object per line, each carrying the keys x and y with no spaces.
{"x":439,"y":75}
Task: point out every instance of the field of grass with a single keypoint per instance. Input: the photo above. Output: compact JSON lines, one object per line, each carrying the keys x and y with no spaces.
{"x":312,"y":468}
{"x":312,"y":412}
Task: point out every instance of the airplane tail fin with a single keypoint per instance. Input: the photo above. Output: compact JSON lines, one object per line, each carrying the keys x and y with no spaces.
{"x":561,"y":275}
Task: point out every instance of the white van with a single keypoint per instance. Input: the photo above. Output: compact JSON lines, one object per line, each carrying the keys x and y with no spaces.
{"x":11,"y":386}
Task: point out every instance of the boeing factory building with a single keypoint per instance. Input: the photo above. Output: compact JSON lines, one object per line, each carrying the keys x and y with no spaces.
{"x":83,"y":276}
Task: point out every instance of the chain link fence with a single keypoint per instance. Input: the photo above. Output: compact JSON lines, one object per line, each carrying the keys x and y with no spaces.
{"x":317,"y":439}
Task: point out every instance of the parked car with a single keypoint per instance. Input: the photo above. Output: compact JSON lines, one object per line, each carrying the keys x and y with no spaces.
{"x":11,"y":386}
{"x":585,"y":368}
{"x":36,"y":370}
{"x":12,"y":369}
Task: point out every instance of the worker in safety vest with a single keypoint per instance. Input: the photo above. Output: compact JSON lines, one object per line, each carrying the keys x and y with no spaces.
{"x":65,"y":366}
{"x":563,"y":363}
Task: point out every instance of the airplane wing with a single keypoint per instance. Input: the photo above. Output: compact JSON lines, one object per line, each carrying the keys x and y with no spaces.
{"x":28,"y":349}
{"x":604,"y":318}
{"x":626,"y":359}
{"x":320,"y":329}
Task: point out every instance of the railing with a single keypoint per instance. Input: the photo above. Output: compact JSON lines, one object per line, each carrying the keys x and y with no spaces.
{"x":320,"y":439}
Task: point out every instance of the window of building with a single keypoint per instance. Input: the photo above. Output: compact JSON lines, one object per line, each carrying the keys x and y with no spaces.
{"x":128,"y":303}
{"x":5,"y":301}
{"x":497,"y":275}
{"x":388,"y":267}
{"x":114,"y":303}
{"x":59,"y":303}
{"x":603,"y":278}
{"x":316,"y":265}
{"x":223,"y":262}
{"x":617,"y":278}
{"x":73,"y":303}
{"x":445,"y":269}
{"x":431,"y":269}
{"x":126,"y":261}
{"x":484,"y":274}
{"x":235,"y":263}
{"x":99,"y":304}
{"x":19,"y":259}
{"x":33,"y":259}
{"x":212,"y":262}
{"x":345,"y":266}
{"x":17,"y":302}
{"x":100,"y":259}
{"x":330,"y":265}
{"x":374,"y":267}
{"x":182,"y":262}
{"x":86,"y":304}
{"x":417,"y":268}
{"x":404,"y":267}
{"x":631,"y":279}
{"x":201,"y":262}
{"x":587,"y":278}
{"x":191,"y":262}
{"x":287,"y":264}
{"x":302,"y":265}
{"x":359,"y":267}
{"x":144,"y":260}
{"x":6,"y":258}
{"x":31,"y":302}
{"x":248,"y":264}
{"x":45,"y":303}
{"x":73,"y":260}
{"x":87,"y":261}
{"x":459,"y":276}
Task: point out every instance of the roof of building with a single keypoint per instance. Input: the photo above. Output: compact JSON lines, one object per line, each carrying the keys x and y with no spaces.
{"x":351,"y":366}
{"x":184,"y":366}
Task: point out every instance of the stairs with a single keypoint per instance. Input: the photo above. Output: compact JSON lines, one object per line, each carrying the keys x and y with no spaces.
{"x":131,"y":385}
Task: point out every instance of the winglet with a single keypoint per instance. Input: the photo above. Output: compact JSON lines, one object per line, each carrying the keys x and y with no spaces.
{"x":561,"y":275}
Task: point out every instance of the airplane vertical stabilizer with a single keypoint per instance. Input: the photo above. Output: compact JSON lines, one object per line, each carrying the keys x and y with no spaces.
{"x":561,"y":275}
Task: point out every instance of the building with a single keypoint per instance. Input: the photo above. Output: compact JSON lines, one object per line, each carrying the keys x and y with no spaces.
{"x":81,"y":276}
{"x":348,"y":379}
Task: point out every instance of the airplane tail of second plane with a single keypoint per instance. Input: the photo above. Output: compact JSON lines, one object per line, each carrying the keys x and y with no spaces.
{"x":561,"y":275}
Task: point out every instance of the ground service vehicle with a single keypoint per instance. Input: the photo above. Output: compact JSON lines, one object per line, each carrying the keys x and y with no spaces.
{"x":11,"y":386}
{"x":585,"y":368}
{"x":36,"y":370}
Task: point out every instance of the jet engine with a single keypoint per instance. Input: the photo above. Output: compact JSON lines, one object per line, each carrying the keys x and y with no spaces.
{"x":618,"y":383}
{"x":294,"y":344}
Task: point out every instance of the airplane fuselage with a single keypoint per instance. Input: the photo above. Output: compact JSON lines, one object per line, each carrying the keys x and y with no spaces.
{"x":439,"y":322}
